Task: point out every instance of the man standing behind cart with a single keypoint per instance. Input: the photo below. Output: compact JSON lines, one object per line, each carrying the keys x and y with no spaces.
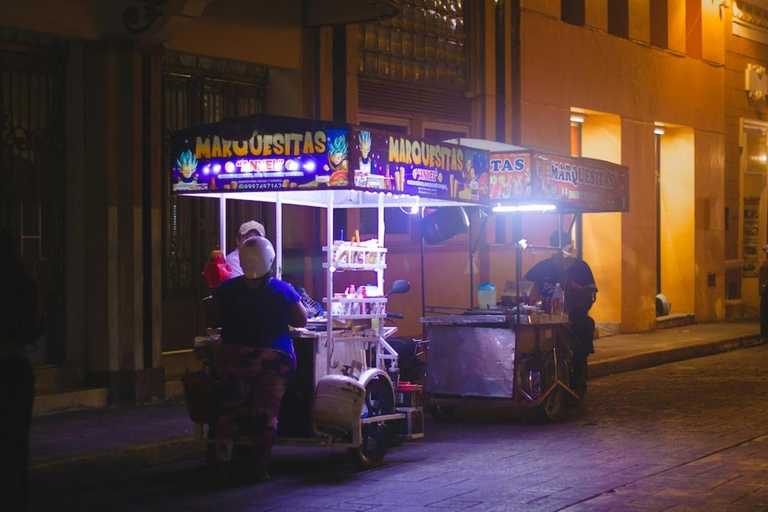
{"x":257,"y":356}
{"x":576,"y":279}
{"x":247,"y":230}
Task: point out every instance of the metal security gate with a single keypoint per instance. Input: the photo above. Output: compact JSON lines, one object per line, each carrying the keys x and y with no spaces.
{"x":33,"y":190}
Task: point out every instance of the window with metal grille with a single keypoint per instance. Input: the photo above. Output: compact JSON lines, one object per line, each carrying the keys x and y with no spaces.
{"x":425,"y":44}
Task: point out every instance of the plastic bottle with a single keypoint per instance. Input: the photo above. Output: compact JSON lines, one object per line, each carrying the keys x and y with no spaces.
{"x":217,"y":270}
{"x":486,"y":296}
{"x":558,"y":298}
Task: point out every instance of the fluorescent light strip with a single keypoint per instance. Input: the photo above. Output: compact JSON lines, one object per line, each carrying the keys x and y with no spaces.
{"x":658,"y":130}
{"x":577,"y":119}
{"x":525,"y":208}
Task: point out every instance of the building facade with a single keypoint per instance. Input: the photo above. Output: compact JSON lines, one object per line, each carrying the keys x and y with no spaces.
{"x":91,"y":91}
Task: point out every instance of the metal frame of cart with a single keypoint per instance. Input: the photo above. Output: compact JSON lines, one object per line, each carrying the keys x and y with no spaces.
{"x":204,"y":166}
{"x":512,"y":358}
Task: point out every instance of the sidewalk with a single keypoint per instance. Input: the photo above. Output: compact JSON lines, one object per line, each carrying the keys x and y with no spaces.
{"x":154,"y":430}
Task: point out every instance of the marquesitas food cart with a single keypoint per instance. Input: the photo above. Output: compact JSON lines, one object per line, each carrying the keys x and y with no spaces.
{"x":519,"y":356}
{"x":329,"y":166}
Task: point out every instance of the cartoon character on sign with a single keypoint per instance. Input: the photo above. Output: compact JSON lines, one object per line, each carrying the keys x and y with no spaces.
{"x":501,"y":185}
{"x":483,"y":184}
{"x":187,"y":165}
{"x":470,"y":185}
{"x":338,"y":156}
{"x":364,"y":165}
{"x":520,"y":186}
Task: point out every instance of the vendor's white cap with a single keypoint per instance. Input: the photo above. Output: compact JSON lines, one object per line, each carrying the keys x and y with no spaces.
{"x":252,"y":225}
{"x":256,"y":256}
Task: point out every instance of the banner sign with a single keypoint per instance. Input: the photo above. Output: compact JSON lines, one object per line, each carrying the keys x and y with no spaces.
{"x":282,"y":154}
{"x":401,"y":164}
{"x":270,"y":153}
{"x":570,"y":183}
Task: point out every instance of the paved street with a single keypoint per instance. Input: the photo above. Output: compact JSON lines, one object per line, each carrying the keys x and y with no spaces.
{"x":686,"y":436}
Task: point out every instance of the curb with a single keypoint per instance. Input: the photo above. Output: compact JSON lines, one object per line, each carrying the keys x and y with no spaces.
{"x":145,"y":454}
{"x":658,"y":357}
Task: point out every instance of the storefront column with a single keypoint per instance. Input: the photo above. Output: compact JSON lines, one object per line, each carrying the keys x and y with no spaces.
{"x":122,"y":189}
{"x":638,"y":230}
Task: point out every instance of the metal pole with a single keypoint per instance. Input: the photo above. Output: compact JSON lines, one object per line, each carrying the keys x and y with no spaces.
{"x":471,"y":269}
{"x":329,"y":277}
{"x":516,"y":234}
{"x":381,"y":234}
{"x":223,"y":223}
{"x":423,"y":270}
{"x":279,"y":235}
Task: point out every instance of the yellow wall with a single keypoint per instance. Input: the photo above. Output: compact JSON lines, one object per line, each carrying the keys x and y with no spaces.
{"x":710,"y":225}
{"x":739,"y":108}
{"x":713,"y":31}
{"x":447,"y":282}
{"x":271,"y":46}
{"x":565,"y":67}
{"x":267,"y":44}
{"x":676,"y":25}
{"x":601,"y":139}
{"x":596,"y":15}
{"x":549,"y":7}
{"x":640,"y":20}
{"x":72,"y":18}
{"x":677,"y":223}
{"x":638,"y":252}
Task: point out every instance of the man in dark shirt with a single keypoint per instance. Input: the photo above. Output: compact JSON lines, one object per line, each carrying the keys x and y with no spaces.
{"x":576,"y":279}
{"x":18,"y":317}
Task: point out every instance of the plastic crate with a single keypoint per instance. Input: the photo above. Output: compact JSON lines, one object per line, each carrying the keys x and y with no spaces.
{"x":412,"y":426}
{"x":408,"y":395}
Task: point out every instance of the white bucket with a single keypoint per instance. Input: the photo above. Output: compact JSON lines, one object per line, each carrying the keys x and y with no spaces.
{"x":486,"y":295}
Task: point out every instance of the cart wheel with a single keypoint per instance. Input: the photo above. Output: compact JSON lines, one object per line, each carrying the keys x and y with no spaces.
{"x":374,"y":438}
{"x":442,"y":412}
{"x":553,"y":406}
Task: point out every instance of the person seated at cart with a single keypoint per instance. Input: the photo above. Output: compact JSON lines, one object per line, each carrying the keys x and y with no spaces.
{"x":257,"y":358}
{"x":578,"y":283}
{"x":314,"y":308}
{"x":247,"y":230}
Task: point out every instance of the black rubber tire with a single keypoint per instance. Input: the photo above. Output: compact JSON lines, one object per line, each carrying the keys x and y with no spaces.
{"x":375,"y":438}
{"x":553,"y":406}
{"x":442,"y":412}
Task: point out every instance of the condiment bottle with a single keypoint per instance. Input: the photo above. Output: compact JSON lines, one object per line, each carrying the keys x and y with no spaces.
{"x":558,"y":297}
{"x":217,"y":270}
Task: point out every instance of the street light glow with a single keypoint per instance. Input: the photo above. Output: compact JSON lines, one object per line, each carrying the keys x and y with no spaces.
{"x":525,"y":208}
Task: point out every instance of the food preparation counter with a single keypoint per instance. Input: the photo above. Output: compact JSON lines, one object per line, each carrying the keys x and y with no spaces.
{"x":475,"y":355}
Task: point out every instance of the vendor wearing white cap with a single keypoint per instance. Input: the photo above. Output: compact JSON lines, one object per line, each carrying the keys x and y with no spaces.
{"x":247,"y":230}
